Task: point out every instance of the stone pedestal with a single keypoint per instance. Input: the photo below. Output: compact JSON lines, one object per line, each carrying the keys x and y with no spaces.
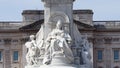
{"x":58,"y":66}
{"x":33,"y":66}
{"x":60,"y":61}
{"x":67,"y":66}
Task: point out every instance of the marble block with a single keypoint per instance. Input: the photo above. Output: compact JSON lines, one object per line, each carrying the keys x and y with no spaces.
{"x":59,"y":62}
{"x":32,"y":66}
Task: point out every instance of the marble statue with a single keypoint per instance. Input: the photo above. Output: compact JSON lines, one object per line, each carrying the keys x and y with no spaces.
{"x":86,"y":51}
{"x":32,"y":53}
{"x":57,"y":42}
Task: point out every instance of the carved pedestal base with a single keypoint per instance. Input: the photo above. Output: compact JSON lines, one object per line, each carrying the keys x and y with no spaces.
{"x":49,"y":66}
{"x":59,"y":62}
{"x":59,"y":66}
{"x":32,"y":66}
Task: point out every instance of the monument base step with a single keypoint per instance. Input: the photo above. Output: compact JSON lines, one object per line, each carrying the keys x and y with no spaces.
{"x":67,"y":66}
{"x":32,"y":66}
{"x":57,"y":66}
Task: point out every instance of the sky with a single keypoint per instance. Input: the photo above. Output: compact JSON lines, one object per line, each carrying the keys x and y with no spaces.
{"x":10,"y":10}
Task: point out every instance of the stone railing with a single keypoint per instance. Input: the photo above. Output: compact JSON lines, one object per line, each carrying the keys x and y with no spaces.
{"x":107,"y":24}
{"x":10,"y":25}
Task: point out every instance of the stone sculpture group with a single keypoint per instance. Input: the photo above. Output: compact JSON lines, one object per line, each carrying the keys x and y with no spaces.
{"x":33,"y":51}
{"x":57,"y":44}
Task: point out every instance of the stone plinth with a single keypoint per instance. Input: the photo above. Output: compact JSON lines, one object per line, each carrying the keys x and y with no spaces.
{"x":59,"y":62}
{"x":67,"y":66}
{"x":33,"y":66}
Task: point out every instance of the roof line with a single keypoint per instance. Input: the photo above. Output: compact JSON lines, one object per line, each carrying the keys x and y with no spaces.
{"x":10,"y":21}
{"x":108,"y":21}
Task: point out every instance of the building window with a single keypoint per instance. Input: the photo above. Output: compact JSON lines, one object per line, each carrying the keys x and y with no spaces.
{"x":0,"y":55}
{"x":100,"y":55}
{"x":116,"y":54}
{"x":15,"y":56}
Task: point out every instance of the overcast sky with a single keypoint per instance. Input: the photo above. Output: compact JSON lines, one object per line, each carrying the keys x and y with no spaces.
{"x":10,"y":10}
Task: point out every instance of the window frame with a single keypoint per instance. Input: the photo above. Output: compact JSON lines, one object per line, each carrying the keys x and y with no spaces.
{"x":1,"y":56}
{"x":100,"y":55}
{"x":13,"y":55}
{"x":117,"y":54}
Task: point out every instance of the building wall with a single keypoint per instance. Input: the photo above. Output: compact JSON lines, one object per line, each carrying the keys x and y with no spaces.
{"x":31,"y":16}
{"x":12,"y":40}
{"x":9,"y":43}
{"x":107,"y":42}
{"x":105,"y":37}
{"x":83,"y":16}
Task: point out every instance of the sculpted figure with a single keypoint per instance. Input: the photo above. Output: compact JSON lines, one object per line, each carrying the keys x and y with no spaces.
{"x":31,"y":55}
{"x":57,"y":42}
{"x":86,"y":51}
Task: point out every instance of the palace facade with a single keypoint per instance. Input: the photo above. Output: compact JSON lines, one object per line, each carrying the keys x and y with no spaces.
{"x":104,"y":36}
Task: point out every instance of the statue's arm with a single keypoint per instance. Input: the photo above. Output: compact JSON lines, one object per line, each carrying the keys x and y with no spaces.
{"x":33,"y":42}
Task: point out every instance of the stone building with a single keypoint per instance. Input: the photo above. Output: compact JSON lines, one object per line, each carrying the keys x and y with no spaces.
{"x":103,"y":35}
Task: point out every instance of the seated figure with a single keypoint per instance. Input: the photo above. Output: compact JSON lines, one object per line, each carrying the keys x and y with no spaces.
{"x":57,"y":42}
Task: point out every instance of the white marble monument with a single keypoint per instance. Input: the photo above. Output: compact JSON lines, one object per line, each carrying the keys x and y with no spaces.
{"x":58,"y":40}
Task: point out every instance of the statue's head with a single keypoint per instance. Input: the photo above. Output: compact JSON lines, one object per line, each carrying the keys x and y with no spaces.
{"x":59,"y":24}
{"x":32,"y":37}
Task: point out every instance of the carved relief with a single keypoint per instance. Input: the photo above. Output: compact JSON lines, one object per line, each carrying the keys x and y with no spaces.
{"x":99,"y":40}
{"x":7,"y":41}
{"x":115,"y":39}
{"x":55,"y":16}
